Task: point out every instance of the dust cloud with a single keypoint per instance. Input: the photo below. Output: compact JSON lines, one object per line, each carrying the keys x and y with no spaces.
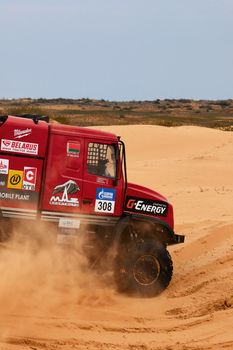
{"x":39,"y":275}
{"x":50,"y":299}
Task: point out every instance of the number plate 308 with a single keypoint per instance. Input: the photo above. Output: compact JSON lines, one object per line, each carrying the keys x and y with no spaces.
{"x":102,"y":206}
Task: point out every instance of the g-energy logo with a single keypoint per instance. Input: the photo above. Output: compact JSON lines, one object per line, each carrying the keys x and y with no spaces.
{"x":146,"y":206}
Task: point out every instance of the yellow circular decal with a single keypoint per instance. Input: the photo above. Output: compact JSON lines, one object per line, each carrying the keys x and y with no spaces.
{"x":15,"y":179}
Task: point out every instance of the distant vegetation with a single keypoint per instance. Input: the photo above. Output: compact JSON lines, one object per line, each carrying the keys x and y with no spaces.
{"x":87,"y":112}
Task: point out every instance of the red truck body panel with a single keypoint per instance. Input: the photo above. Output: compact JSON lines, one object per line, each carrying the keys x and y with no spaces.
{"x":20,"y":187}
{"x":44,"y":169}
{"x":144,"y":201}
{"x":53,"y":157}
{"x":23,"y":137}
{"x":23,"y":149}
{"x":64,"y":167}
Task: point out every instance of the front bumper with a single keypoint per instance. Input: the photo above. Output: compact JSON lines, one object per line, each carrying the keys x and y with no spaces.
{"x":178,"y":239}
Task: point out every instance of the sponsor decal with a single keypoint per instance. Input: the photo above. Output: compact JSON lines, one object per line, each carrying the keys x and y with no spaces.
{"x":62,"y":194}
{"x":19,"y":179}
{"x":15,"y":179}
{"x":65,"y":238}
{"x":105,"y":200}
{"x":29,"y":178}
{"x":19,"y":147}
{"x":14,"y":196}
{"x":102,"y":180}
{"x":146,"y":206}
{"x":69,"y":223}
{"x":73,"y":149}
{"x":4,"y":166}
{"x":18,"y":195}
{"x":3,"y":180}
{"x":18,"y":134}
{"x":105,"y":193}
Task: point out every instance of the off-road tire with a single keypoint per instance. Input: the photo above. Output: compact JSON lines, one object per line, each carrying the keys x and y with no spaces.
{"x":143,"y":268}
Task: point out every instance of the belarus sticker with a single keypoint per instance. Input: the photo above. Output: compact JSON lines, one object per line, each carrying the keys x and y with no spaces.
{"x":15,"y":179}
{"x":29,"y":178}
{"x":19,"y":147}
{"x":4,"y":166}
{"x":73,"y":149}
{"x":105,"y":200}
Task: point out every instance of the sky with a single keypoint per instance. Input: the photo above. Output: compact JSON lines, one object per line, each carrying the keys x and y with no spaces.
{"x":117,"y":50}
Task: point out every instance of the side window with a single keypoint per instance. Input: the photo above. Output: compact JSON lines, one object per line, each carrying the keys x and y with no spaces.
{"x":101,"y":160}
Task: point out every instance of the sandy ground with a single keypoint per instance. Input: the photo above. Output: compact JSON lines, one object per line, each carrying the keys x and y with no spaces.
{"x":49,"y":301}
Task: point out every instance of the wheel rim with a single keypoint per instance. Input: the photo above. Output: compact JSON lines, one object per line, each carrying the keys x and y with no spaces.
{"x":146,"y":270}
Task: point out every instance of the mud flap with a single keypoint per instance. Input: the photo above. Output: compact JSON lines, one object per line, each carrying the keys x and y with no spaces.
{"x":179,"y":238}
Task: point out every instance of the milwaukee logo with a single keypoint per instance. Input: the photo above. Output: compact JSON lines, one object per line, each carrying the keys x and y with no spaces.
{"x":18,"y":134}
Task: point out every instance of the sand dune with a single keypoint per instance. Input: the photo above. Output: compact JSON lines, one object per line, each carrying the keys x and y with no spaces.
{"x":45,"y":306}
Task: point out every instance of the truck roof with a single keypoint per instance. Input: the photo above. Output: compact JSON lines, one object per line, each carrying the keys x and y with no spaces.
{"x":82,"y":132}
{"x":39,"y":123}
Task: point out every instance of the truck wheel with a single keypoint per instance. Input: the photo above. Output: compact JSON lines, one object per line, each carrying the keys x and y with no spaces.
{"x":143,"y":268}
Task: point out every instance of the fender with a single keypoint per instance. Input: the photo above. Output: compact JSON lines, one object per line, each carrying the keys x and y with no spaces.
{"x":165,"y":234}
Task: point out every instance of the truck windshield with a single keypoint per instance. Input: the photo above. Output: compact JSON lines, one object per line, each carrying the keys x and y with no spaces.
{"x":101,"y":160}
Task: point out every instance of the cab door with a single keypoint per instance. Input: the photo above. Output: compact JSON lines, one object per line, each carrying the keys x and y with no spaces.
{"x":64,"y":173}
{"x":102,"y":194}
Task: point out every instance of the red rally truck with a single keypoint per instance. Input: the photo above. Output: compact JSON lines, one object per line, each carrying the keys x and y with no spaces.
{"x":75,"y":178}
